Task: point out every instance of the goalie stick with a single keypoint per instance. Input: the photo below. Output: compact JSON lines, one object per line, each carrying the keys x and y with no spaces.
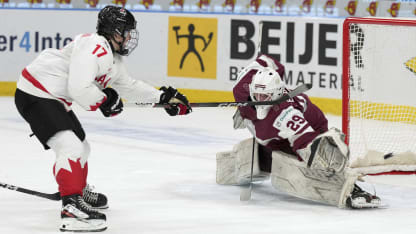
{"x":300,"y":89}
{"x":51,"y":196}
{"x":245,"y":193}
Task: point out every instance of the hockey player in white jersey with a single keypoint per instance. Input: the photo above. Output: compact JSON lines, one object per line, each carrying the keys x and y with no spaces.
{"x":82,"y":72}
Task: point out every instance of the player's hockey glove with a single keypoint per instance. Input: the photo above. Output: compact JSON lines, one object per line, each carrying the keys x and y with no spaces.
{"x":112,"y":105}
{"x":175,"y":102}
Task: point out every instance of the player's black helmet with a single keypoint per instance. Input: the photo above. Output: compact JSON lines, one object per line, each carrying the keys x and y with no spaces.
{"x":117,"y":20}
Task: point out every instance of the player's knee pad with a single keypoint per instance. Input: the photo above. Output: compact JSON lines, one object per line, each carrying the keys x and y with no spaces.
{"x":67,"y":145}
{"x":295,"y":178}
{"x":327,"y":152}
{"x":234,"y":167}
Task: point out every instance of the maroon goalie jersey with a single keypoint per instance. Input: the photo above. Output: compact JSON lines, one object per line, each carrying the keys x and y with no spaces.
{"x":288,"y":126}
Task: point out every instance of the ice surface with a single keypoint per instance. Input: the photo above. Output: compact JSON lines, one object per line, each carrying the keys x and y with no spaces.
{"x":159,"y":174}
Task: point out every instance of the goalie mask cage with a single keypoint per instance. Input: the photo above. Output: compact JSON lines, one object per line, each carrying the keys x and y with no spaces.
{"x":379,"y":93}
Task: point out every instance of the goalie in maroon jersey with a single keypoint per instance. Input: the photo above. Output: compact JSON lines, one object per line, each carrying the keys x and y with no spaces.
{"x":83,"y":72}
{"x":293,"y":143}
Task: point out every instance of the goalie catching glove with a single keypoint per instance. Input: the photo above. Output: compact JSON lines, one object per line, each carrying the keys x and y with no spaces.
{"x":113,"y":105}
{"x":327,"y":152}
{"x":175,"y":102}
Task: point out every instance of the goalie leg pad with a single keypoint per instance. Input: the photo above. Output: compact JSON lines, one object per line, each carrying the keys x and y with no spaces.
{"x":234,"y":167}
{"x":295,"y":178}
{"x":327,"y":152}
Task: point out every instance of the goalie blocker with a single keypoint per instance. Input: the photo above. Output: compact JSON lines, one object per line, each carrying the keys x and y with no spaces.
{"x":322,"y":177}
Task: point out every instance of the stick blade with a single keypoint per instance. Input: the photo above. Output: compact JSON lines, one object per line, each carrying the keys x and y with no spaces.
{"x":245,"y":193}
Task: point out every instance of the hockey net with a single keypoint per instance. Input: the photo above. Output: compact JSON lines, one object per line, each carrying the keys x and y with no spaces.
{"x":379,"y":94}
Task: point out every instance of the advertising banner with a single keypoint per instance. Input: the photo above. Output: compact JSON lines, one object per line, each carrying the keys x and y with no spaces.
{"x":196,"y":52}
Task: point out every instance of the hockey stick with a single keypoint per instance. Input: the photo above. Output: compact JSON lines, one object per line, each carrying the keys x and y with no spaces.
{"x":300,"y":89}
{"x":51,"y":196}
{"x":245,"y":193}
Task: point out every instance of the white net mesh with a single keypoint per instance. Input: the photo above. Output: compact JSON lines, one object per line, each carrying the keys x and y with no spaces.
{"x":382,"y":78}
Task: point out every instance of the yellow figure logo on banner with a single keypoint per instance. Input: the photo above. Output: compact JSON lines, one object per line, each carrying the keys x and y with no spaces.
{"x":192,"y":47}
{"x":411,"y":65}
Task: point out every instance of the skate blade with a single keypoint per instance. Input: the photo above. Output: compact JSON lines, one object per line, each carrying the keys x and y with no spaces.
{"x":78,"y":225}
{"x":95,"y":230}
{"x":101,"y":207}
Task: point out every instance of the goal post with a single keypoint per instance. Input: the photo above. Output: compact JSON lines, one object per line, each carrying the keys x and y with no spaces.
{"x":379,"y":93}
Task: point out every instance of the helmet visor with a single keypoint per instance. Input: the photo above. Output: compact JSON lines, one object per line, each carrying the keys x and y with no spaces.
{"x":131,"y":39}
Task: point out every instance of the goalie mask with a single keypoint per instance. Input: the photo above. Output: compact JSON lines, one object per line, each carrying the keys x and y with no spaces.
{"x":266,"y":86}
{"x":114,"y":20}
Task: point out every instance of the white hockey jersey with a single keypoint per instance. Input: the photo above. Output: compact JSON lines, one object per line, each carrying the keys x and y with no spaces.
{"x":79,"y":72}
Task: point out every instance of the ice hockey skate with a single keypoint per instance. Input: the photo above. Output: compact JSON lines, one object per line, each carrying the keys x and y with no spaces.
{"x":361,"y":199}
{"x":78,"y":216}
{"x":96,"y":200}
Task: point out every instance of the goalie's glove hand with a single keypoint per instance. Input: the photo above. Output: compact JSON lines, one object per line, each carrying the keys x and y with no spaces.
{"x":113,"y":105}
{"x":175,"y":102}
